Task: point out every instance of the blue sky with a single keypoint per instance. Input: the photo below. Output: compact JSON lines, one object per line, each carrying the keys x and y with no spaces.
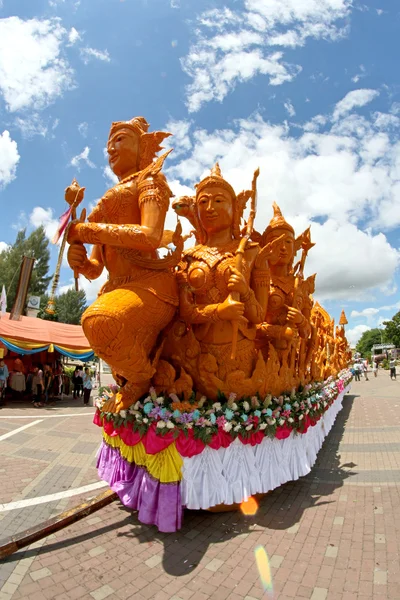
{"x":309,"y":90}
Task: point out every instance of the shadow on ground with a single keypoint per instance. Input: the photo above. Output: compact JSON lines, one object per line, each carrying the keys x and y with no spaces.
{"x":278,"y":510}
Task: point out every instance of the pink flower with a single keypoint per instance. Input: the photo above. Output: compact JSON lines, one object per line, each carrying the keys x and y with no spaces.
{"x":286,"y":413}
{"x":221,"y":421}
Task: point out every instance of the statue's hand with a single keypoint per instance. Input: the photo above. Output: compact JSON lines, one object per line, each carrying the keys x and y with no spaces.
{"x":294,"y":316}
{"x":77,"y":256}
{"x":230,"y":310}
{"x":237,"y":282}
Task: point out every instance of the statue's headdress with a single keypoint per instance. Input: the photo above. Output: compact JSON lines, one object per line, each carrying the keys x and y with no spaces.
{"x":277,"y":222}
{"x":150,"y":143}
{"x":213,"y":179}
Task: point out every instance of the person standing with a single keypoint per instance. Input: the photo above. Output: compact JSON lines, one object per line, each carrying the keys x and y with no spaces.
{"x":3,"y":380}
{"x":48,"y":381}
{"x":87,"y":386}
{"x":365,"y":369}
{"x":392,"y":367}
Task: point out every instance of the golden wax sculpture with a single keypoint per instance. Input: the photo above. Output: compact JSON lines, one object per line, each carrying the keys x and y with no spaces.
{"x":232,"y":314}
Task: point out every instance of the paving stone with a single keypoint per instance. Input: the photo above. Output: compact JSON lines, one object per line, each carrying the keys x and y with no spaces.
{"x":96,"y":551}
{"x":319,"y":593}
{"x":41,"y":574}
{"x":380,"y":577}
{"x":103,"y":592}
{"x":153,"y":561}
{"x":214,"y":565}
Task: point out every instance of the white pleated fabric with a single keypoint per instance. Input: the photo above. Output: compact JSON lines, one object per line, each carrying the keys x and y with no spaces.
{"x":230,"y":475}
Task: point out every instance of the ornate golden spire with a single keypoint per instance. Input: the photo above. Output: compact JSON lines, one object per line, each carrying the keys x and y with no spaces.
{"x":215,"y":179}
{"x":277,"y":222}
{"x":343,"y":319}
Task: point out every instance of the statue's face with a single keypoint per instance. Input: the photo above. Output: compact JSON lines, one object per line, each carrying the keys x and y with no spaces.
{"x":215,"y":209}
{"x":285,"y":251}
{"x":123,"y":152}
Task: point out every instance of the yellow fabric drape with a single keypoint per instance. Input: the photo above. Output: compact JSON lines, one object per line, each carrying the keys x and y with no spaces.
{"x":165,"y":466}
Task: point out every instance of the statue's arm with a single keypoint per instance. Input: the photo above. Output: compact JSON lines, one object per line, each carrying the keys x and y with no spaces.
{"x":153,"y":203}
{"x":195,"y":313}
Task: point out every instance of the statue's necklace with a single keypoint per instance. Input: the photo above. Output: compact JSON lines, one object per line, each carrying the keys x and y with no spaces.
{"x":129,"y":178}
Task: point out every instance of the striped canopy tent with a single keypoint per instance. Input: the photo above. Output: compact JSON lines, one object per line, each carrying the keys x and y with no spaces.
{"x":31,"y":335}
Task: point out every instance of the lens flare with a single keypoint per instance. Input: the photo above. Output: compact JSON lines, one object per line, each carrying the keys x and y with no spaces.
{"x":249,"y":507}
{"x":263,"y":567}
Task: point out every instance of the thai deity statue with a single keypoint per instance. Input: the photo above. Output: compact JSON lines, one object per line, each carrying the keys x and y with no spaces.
{"x":125,"y":228}
{"x":216,"y":297}
{"x":286,"y":328}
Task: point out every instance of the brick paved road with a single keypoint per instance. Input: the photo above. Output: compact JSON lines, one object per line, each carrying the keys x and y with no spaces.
{"x":331,"y":535}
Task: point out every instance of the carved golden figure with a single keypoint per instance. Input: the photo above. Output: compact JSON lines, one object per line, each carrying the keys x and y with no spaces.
{"x":209,"y":280}
{"x":126,"y":228}
{"x":286,"y":323}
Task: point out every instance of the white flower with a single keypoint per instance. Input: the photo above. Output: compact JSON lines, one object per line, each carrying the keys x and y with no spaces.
{"x":301,"y":417}
{"x":148,"y":399}
{"x":267,"y":400}
{"x":281,"y":421}
{"x":307,"y":411}
{"x":227,"y":426}
{"x":136,"y":406}
{"x":207,"y":422}
{"x":296,"y":405}
{"x":116,"y":414}
{"x":122,"y":414}
{"x":217,"y":406}
{"x":263,"y":426}
{"x":170,"y":425}
{"x":160,"y":400}
{"x":145,"y":420}
{"x":249,"y":427}
{"x":160,"y":425}
{"x":271,"y":421}
{"x":189,"y":425}
{"x":317,"y":404}
{"x":234,"y":406}
{"x":290,"y":420}
{"x":246,"y":406}
{"x":237,"y":428}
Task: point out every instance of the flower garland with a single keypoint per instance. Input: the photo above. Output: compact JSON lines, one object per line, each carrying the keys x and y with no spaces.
{"x":250,"y":419}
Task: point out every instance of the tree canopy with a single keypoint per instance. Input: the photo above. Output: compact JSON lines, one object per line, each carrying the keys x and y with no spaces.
{"x":35,"y":245}
{"x":392,"y":331}
{"x":367,"y":340}
{"x":70,"y":306}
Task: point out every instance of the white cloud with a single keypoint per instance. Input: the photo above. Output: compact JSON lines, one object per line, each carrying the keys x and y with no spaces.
{"x":109,"y":176}
{"x":180,"y":140}
{"x":83,"y":129}
{"x":354,"y":334}
{"x":234,"y":46}
{"x":365,"y":313}
{"x":355,"y":98}
{"x":74,"y":36}
{"x":359,"y":75}
{"x":4,"y":246}
{"x":82,"y":157}
{"x":91,"y":288}
{"x":342,"y":177}
{"x":31,"y":126}
{"x":289,"y":108}
{"x":44,"y":216}
{"x":33,"y":72}
{"x":9,"y":158}
{"x":88,"y":53}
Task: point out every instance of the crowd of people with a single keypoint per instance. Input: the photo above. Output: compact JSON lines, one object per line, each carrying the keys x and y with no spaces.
{"x":360,"y":369}
{"x":44,"y":383}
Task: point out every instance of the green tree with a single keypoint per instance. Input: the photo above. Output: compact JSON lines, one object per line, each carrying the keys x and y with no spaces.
{"x":36,"y":245}
{"x":69,"y":307}
{"x":367,"y":340}
{"x":392,"y":331}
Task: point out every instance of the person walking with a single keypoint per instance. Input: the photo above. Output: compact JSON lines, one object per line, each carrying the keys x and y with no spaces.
{"x":37,"y":387}
{"x":87,"y":386}
{"x":375,"y":368}
{"x":357,"y":369}
{"x":48,"y":382}
{"x":392,"y":367}
{"x":365,"y":369}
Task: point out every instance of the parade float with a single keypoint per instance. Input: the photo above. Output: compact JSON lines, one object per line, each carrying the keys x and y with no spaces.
{"x":228,"y":375}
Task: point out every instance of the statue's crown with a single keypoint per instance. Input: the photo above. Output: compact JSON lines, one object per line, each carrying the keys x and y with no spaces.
{"x":138,"y":125}
{"x":278,"y":221}
{"x":213,"y":179}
